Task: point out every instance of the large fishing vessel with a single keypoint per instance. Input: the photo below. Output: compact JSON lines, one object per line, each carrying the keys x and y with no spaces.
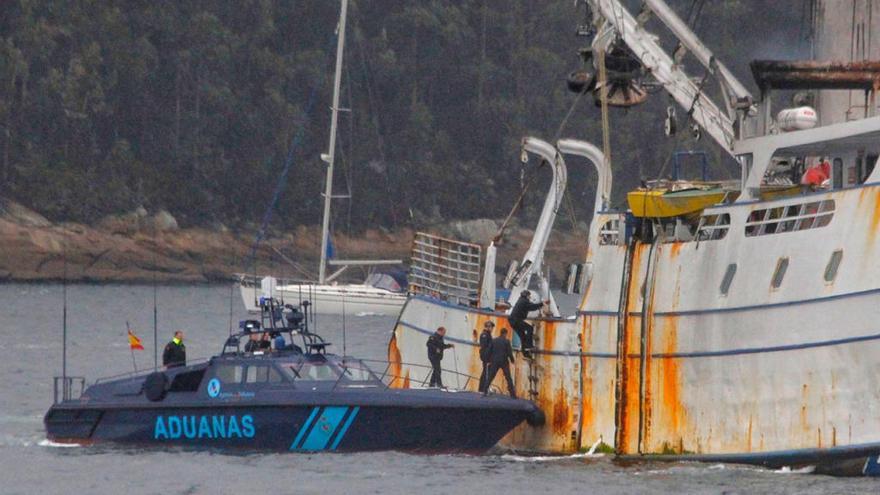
{"x":737,"y":322}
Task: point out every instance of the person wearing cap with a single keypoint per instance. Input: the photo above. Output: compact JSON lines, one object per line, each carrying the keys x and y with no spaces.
{"x":485,"y":354}
{"x":517,"y":318}
{"x":436,"y":346}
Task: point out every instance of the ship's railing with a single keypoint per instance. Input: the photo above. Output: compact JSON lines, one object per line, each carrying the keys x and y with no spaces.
{"x":147,"y":371}
{"x":460,"y":381}
{"x":445,"y":268}
{"x":67,"y":388}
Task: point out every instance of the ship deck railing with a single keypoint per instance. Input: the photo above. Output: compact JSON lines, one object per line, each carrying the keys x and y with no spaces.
{"x":147,"y":371}
{"x":390,"y":380}
{"x":67,"y":388}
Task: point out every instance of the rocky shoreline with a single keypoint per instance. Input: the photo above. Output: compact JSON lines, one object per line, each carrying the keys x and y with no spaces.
{"x":140,"y":247}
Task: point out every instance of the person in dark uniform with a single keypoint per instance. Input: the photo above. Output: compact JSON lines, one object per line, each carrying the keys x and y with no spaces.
{"x":253,"y":343}
{"x":436,"y":346}
{"x":517,"y":319}
{"x":175,"y":352}
{"x":485,"y":353}
{"x":500,"y":359}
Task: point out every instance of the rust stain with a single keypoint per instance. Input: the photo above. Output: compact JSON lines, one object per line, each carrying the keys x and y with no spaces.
{"x":674,"y":249}
{"x":406,"y":380}
{"x":804,"y":424}
{"x":749,"y":439}
{"x":586,"y":339}
{"x":673,"y":411}
{"x":627,"y":420}
{"x":875,"y":220}
{"x":561,"y":414}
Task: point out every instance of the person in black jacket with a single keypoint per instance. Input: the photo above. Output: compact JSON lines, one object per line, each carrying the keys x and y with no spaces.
{"x":485,"y":353}
{"x":175,"y":352}
{"x":436,"y":346}
{"x":517,"y":319}
{"x":500,"y":359}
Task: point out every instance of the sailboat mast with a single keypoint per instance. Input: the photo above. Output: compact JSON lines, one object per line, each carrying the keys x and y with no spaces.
{"x":331,"y":153}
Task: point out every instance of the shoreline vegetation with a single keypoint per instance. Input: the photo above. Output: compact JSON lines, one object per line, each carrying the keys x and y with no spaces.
{"x":143,"y":247}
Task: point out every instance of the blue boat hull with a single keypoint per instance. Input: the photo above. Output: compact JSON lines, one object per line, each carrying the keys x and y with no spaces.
{"x":288,"y":428}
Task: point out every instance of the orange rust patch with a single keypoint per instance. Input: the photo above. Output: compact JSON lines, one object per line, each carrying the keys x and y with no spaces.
{"x":674,"y":249}
{"x":670,"y":380}
{"x":586,"y":375}
{"x":549,"y":340}
{"x":627,"y":387}
{"x":561,"y":415}
{"x":406,"y":380}
{"x":749,"y":439}
{"x":875,"y":220}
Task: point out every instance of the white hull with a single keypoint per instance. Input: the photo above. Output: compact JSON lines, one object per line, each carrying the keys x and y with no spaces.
{"x":350,"y":299}
{"x":756,"y":373}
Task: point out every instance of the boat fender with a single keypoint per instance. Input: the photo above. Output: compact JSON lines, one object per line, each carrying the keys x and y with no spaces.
{"x":536,"y":417}
{"x":156,"y":386}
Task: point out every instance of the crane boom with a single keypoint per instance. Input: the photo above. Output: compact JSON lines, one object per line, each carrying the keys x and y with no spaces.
{"x":615,"y":19}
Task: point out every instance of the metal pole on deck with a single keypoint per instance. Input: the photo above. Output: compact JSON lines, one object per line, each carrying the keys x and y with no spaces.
{"x":64,"y":388}
{"x":155,"y":319}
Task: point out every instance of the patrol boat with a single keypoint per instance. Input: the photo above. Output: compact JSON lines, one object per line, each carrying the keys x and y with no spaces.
{"x":290,"y":398}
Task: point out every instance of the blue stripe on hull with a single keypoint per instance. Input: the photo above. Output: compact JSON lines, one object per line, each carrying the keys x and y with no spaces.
{"x":324,"y":428}
{"x":305,"y":427}
{"x":345,"y":427}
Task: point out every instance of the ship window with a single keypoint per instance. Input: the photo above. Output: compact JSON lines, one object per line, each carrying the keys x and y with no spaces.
{"x":779,"y":274}
{"x":713,"y":227}
{"x":790,"y":218}
{"x":262,"y":374}
{"x":187,"y":382}
{"x":230,"y":373}
{"x":728,"y":278}
{"x":869,"y":163}
{"x":837,"y":174}
{"x":833,"y":265}
{"x":609,"y":234}
{"x":312,"y":372}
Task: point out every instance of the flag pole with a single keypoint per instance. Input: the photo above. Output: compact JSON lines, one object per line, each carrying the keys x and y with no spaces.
{"x":130,"y":348}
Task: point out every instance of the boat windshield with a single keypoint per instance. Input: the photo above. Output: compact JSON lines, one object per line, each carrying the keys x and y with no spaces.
{"x":311,"y":372}
{"x":357,"y":371}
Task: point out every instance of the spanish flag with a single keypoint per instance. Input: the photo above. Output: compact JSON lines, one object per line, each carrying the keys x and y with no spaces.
{"x":134,"y":342}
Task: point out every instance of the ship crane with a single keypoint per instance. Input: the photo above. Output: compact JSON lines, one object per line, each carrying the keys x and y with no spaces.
{"x":616,"y":25}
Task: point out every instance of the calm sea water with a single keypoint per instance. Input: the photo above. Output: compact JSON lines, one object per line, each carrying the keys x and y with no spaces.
{"x":30,"y":354}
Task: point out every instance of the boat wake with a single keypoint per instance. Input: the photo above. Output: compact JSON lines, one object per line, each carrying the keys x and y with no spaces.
{"x":50,"y":443}
{"x":788,"y":470}
{"x":549,"y":458}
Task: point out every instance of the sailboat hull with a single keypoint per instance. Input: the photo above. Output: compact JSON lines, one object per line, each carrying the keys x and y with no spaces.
{"x":349,"y":299}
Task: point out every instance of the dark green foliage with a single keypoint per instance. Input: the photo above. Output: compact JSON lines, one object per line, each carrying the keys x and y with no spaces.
{"x":192,"y":105}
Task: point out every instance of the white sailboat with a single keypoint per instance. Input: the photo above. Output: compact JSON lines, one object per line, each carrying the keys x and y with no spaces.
{"x":379,"y":294}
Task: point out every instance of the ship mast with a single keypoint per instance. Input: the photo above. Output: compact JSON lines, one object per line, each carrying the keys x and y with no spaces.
{"x":331,"y":153}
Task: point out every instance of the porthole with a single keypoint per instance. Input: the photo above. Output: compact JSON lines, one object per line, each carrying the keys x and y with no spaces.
{"x":728,"y":278}
{"x":833,"y":265}
{"x":779,"y":274}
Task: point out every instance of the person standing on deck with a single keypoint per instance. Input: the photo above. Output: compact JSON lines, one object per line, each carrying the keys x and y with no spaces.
{"x":436,"y":346}
{"x":500,"y":359}
{"x":485,"y":354}
{"x":175,"y":352}
{"x":517,"y":318}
